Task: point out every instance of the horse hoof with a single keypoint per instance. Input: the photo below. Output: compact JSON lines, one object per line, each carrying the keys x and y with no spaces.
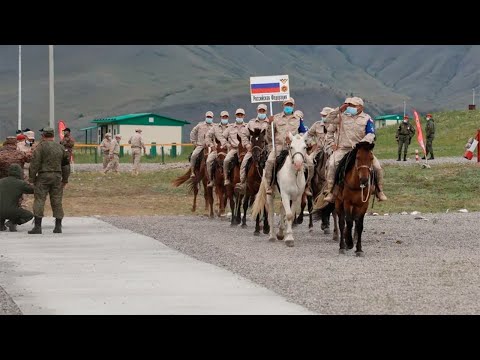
{"x":342,"y":251}
{"x":289,"y":243}
{"x":349,"y":247}
{"x":256,"y":233}
{"x":266,"y":231}
{"x":272,"y":239}
{"x":233,"y":225}
{"x":280,"y":237}
{"x":310,"y":230}
{"x":327,"y":231}
{"x":299,"y":221}
{"x":244,"y":226}
{"x":360,"y":253}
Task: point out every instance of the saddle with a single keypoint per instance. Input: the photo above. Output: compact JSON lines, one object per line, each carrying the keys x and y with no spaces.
{"x":279,"y":162}
{"x":232,"y":165}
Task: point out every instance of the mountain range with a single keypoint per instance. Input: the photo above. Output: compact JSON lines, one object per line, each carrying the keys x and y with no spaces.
{"x":184,"y":81}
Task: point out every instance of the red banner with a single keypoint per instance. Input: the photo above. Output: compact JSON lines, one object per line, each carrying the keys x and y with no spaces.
{"x":419,"y":132}
{"x":61,"y":127}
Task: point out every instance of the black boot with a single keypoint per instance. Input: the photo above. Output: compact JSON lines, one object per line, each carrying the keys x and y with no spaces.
{"x":12,"y":226}
{"x":399,"y":159}
{"x":431,"y":157}
{"x":404,"y":157}
{"x":37,"y":229}
{"x":58,"y":226}
{"x":2,"y":225}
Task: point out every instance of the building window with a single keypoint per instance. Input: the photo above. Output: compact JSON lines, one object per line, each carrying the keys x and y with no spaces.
{"x":150,"y":120}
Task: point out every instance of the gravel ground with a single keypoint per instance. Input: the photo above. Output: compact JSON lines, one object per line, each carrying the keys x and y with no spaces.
{"x":411,"y":266}
{"x":441,"y":160}
{"x":7,"y":305}
{"x":128,"y":167}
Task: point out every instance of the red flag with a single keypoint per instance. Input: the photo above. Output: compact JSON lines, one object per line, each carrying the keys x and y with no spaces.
{"x":419,"y":132}
{"x":61,"y":127}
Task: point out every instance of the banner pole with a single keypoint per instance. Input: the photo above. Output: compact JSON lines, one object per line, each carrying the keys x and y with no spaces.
{"x":273,"y":136}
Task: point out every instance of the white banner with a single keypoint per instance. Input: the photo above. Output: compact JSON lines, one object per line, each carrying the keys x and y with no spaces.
{"x":269,"y":88}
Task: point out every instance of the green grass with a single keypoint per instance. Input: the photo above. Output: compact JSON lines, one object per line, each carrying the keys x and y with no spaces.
{"x":452,"y":130}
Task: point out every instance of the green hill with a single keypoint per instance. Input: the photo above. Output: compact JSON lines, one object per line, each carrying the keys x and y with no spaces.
{"x":453,"y":129}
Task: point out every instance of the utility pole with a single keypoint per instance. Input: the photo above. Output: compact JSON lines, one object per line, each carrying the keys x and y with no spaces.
{"x":404,"y":108}
{"x":52,"y":101}
{"x":19,"y":87}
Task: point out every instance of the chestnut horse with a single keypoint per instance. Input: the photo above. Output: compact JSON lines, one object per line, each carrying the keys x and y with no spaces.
{"x":254,"y":178}
{"x":218,"y":179}
{"x":193,"y":184}
{"x":235,"y":199}
{"x":355,"y":186}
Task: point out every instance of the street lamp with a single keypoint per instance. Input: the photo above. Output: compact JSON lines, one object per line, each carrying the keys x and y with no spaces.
{"x":52,"y":102}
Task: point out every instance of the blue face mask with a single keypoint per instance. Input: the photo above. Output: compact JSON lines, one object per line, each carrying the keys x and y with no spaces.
{"x":323,"y":118}
{"x":288,"y":110}
{"x":239,"y":120}
{"x":262,"y":116}
{"x":351,"y":110}
{"x":224,"y":121}
{"x":208,"y":120}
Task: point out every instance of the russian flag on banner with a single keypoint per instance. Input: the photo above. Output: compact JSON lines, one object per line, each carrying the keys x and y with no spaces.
{"x":419,"y":132}
{"x":265,"y":88}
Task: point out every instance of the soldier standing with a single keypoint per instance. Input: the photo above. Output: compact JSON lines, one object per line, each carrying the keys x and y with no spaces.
{"x":198,"y":139}
{"x":49,"y":172}
{"x":137,"y":145}
{"x":114,"y":155}
{"x":404,"y":136}
{"x":12,"y":189}
{"x":105,"y":149}
{"x":210,"y":140}
{"x":68,"y":142}
{"x":430,"y":133}
{"x":261,"y":123}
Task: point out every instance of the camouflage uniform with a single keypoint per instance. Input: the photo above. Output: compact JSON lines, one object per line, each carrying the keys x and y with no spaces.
{"x":216,"y":132}
{"x":114,"y":155}
{"x":348,"y":131}
{"x":68,"y":142}
{"x":137,"y":145}
{"x":430,"y":134}
{"x":253,"y":124}
{"x":282,"y":125}
{"x":10,"y":155}
{"x":11,"y":190}
{"x":49,"y":170}
{"x":198,"y":139}
{"x":404,"y":135}
{"x":230,"y":138}
{"x":105,"y":149}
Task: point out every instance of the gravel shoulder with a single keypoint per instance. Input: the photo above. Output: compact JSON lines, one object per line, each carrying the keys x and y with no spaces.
{"x":411,"y":266}
{"x":7,"y":305}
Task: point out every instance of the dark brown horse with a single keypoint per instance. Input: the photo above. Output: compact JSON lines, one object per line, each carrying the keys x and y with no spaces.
{"x":355,"y":186}
{"x":219,"y":179}
{"x":254,"y":178}
{"x":235,"y":198}
{"x":193,"y":184}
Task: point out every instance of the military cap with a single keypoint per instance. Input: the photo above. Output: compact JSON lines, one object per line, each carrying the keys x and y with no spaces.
{"x":289,"y":100}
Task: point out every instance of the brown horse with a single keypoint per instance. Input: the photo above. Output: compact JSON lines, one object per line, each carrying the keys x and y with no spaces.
{"x":254,"y":179}
{"x":218,"y":179}
{"x":355,"y":186}
{"x":193,"y":184}
{"x":235,"y":198}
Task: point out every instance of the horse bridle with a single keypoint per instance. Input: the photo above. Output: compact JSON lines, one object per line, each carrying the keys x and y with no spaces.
{"x":369,"y":168}
{"x":263,"y":150}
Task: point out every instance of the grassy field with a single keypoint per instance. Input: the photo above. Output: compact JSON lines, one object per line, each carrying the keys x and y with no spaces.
{"x":408,"y":188}
{"x":452,"y":130}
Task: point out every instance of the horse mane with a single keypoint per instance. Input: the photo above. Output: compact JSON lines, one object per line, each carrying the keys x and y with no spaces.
{"x":347,"y":162}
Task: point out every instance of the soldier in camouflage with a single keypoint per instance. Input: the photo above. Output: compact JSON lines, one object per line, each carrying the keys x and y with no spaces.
{"x":68,"y":142}
{"x":430,"y":134}
{"x":49,"y":172}
{"x":9,"y":154}
{"x":404,"y":135}
{"x":114,"y":155}
{"x":105,"y":149}
{"x":11,"y":190}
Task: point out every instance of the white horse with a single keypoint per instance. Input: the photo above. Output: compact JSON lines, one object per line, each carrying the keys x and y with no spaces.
{"x":291,"y":180}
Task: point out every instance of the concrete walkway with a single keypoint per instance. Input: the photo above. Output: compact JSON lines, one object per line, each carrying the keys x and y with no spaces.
{"x":95,"y":268}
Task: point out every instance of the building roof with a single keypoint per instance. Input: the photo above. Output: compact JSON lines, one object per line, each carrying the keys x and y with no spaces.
{"x":390,"y":117}
{"x":128,"y":118}
{"x":88,"y":128}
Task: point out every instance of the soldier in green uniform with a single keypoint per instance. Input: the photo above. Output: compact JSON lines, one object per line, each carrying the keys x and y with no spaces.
{"x":430,"y":134}
{"x":404,"y":136}
{"x":11,"y":190}
{"x":49,"y":172}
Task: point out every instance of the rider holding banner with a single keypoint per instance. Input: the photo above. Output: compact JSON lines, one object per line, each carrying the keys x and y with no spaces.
{"x":283,"y":123}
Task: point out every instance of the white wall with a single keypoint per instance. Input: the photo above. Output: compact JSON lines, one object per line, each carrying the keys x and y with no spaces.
{"x":157,"y":134}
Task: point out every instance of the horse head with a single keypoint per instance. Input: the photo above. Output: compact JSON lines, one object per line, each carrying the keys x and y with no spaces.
{"x":364,"y":162}
{"x":297,"y":149}
{"x":257,"y":139}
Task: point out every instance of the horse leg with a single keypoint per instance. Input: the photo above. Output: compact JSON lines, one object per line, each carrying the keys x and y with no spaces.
{"x":238,"y":211}
{"x":289,"y":239}
{"x":335,"y":226}
{"x":271,"y":215}
{"x":232,"y":208}
{"x":246,"y":199}
{"x":310,"y":210}
{"x":257,"y":226}
{"x":348,"y":235}
{"x":266,"y":226}
{"x":341,"y":222}
{"x":358,"y":232}
{"x":281,"y":224}
{"x":195,"y":193}
{"x":210,"y":198}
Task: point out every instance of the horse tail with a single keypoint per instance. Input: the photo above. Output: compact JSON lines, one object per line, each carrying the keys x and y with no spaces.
{"x":260,"y":200}
{"x":181,"y":179}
